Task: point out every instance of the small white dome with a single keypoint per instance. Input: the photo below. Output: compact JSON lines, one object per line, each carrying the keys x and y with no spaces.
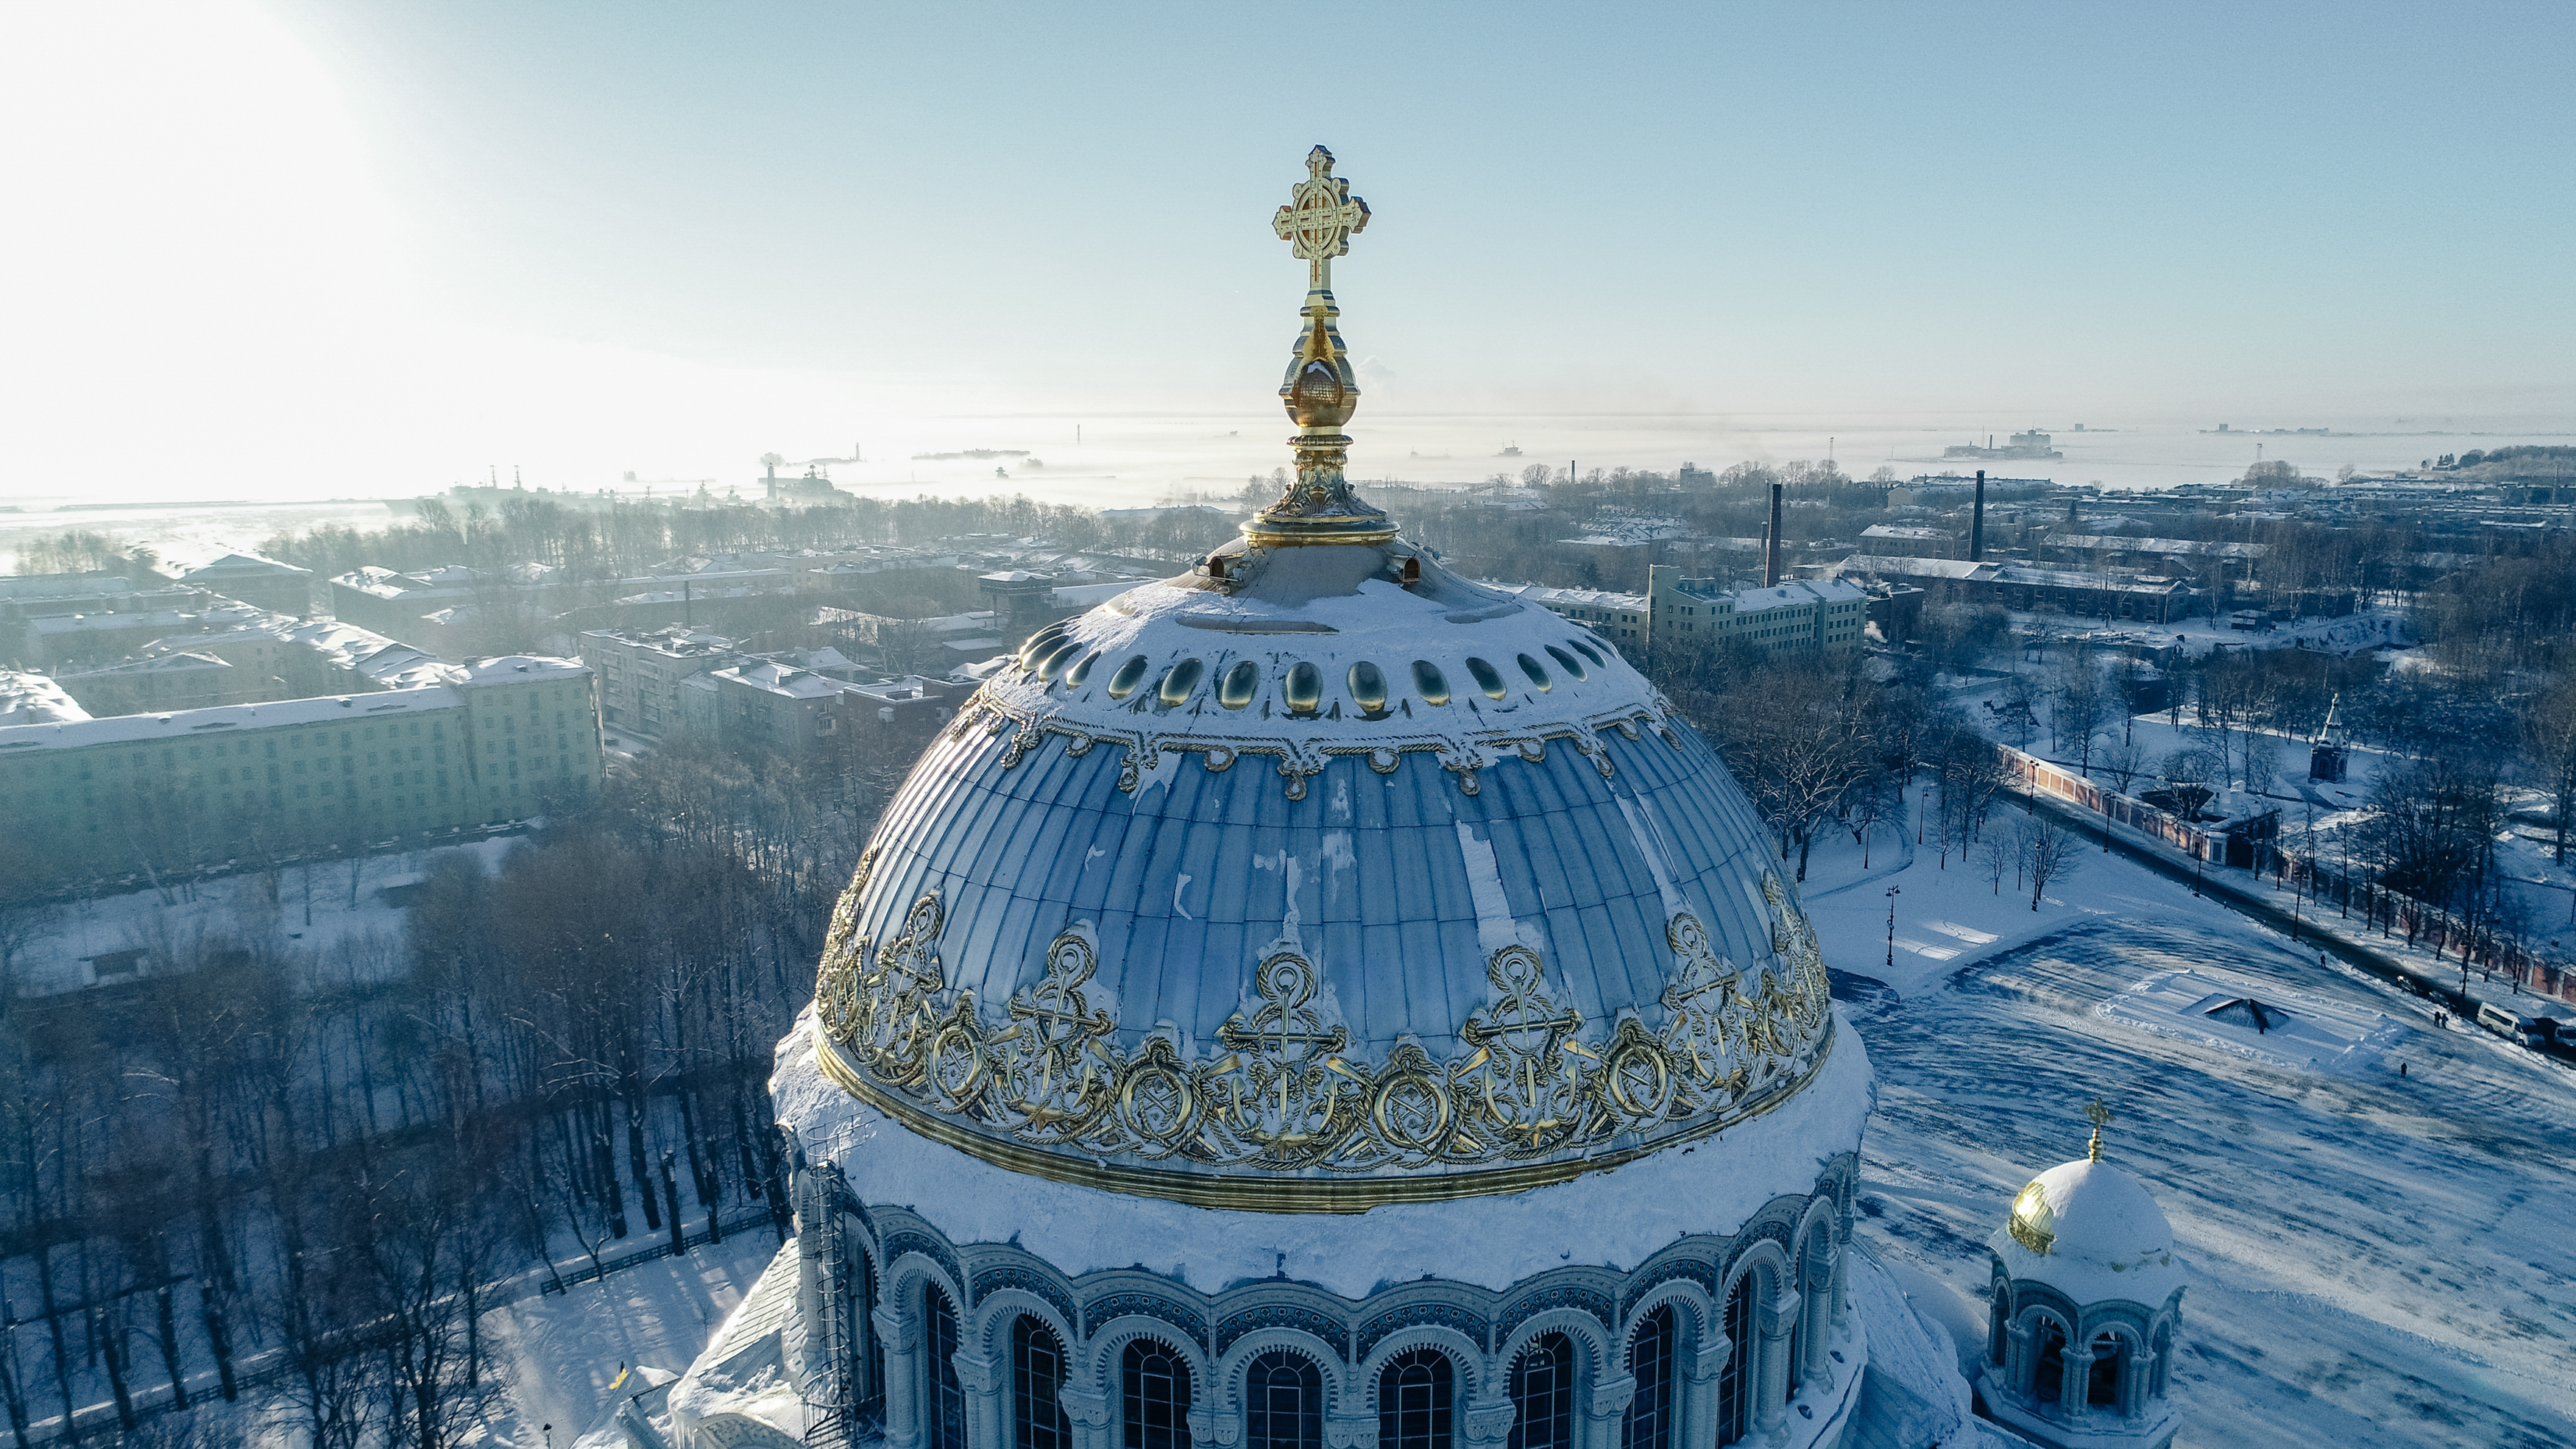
{"x":2089,"y":1229}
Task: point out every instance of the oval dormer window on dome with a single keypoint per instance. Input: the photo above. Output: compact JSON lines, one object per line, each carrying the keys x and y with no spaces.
{"x":1572,"y":665}
{"x":1304,"y":689}
{"x":1073,"y":677}
{"x":1488,"y":678}
{"x":1587,"y":651}
{"x":1236,"y":688}
{"x":1429,"y":682}
{"x":1537,"y":673}
{"x":1178,"y":681}
{"x":1368,"y":688}
{"x":1129,"y":675}
{"x":1043,"y":643}
{"x":1058,"y":660}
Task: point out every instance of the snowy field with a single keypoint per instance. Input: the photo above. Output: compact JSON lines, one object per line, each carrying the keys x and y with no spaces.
{"x":2375,"y":1259}
{"x":337,"y":904}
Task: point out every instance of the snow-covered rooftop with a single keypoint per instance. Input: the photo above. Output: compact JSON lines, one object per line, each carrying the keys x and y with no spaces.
{"x":197,"y":724}
{"x":33,"y":699}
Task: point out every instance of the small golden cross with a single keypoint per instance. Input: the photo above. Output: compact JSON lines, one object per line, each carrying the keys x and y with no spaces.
{"x":2100,"y":1116}
{"x":1320,"y":219}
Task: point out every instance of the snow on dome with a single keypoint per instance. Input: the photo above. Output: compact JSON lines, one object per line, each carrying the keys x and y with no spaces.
{"x":1313,"y":878}
{"x":2090,"y":1230}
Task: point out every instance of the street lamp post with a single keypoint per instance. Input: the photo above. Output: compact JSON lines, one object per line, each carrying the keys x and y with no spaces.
{"x":1892,"y":893}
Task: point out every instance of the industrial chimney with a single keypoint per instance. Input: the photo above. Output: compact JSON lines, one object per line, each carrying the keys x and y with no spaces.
{"x":1771,"y":545}
{"x":1977,"y":522}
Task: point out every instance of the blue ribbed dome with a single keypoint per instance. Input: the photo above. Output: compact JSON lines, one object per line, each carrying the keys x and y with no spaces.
{"x":1328,"y":866}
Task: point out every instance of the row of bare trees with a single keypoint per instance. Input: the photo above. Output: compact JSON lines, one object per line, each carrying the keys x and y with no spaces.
{"x":291,"y":1175}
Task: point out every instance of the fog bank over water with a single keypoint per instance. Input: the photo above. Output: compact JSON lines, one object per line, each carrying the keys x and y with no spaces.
{"x":1131,"y":461}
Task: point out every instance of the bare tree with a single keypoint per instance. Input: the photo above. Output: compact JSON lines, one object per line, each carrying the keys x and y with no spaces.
{"x":2075,"y":710}
{"x":2048,"y":851}
{"x":1864,"y":807}
{"x":2432,"y":831}
{"x":1995,"y":853}
{"x":2190,"y":776}
{"x":2124,"y":762}
{"x":2549,"y":745}
{"x":901,"y":644}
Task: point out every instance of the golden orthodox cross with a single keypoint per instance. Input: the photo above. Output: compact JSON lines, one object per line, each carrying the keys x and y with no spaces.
{"x":1320,"y":218}
{"x":2100,"y":1115}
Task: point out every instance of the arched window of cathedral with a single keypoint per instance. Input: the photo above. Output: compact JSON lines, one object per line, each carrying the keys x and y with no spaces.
{"x":1413,"y":1394}
{"x":939,"y":1343}
{"x":1997,"y":1320}
{"x":2048,"y":1366}
{"x":1037,"y":1372}
{"x":1735,"y":1381}
{"x":1650,"y":1363}
{"x":1283,"y":1401}
{"x":1542,"y":1390}
{"x":2164,"y":1356}
{"x":1157,"y":1396}
{"x":2102,"y":1385}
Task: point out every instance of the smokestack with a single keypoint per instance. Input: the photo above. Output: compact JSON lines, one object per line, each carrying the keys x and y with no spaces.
{"x":1977,"y":522}
{"x":1771,"y":545}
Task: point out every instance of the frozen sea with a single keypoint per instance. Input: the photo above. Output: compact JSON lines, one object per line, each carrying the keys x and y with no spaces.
{"x":1110,"y":462}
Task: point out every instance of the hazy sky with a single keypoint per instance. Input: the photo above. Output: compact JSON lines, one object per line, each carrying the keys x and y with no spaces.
{"x":329,"y":247}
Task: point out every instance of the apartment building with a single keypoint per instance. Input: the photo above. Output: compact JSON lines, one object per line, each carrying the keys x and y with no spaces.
{"x":503,"y":740}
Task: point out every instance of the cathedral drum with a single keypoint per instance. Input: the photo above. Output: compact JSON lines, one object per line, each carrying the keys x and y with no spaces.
{"x":1314,"y":999}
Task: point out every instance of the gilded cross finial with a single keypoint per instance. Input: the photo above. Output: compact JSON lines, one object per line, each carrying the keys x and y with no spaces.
{"x":1320,"y":391}
{"x":1319,"y":219}
{"x":2100,"y":1116}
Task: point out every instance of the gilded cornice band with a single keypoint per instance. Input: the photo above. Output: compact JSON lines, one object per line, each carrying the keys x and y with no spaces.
{"x":1288,"y":1118}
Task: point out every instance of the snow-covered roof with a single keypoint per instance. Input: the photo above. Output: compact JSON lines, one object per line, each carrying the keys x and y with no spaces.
{"x":238,"y":565}
{"x":1548,"y":598}
{"x":1797,"y":593}
{"x":518,"y":668}
{"x":2187,"y":546}
{"x":783,"y":679}
{"x":2087,"y":1229}
{"x":32,"y":699}
{"x":60,"y":586}
{"x":101,"y":623}
{"x":194,"y":724}
{"x":176,"y":662}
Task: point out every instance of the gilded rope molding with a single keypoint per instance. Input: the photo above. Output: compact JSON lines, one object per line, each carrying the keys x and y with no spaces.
{"x":1525,"y":1097}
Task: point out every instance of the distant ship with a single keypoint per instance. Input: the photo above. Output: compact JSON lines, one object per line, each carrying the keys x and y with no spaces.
{"x":2032,"y":444}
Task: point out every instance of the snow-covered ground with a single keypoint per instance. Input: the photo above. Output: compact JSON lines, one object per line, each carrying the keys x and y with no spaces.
{"x":567,"y":1350}
{"x":325,"y":904}
{"x":2375,"y":1258}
